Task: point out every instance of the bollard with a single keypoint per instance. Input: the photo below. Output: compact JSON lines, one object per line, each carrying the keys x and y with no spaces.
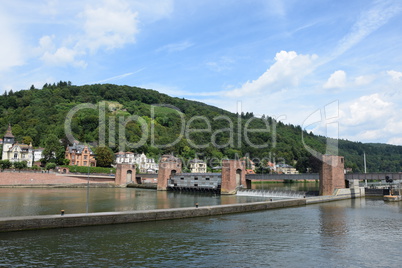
{"x":62,"y":212}
{"x":196,"y":205}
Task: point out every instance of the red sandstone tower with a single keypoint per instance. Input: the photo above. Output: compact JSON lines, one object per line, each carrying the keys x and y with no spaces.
{"x":125,"y":173}
{"x":332,"y":175}
{"x":168,"y":166}
{"x":233,"y":176}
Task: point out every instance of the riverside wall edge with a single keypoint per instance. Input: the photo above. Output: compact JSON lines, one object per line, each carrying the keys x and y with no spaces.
{"x":107,"y":218}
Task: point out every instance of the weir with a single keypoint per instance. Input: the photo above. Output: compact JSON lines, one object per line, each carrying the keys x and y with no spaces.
{"x":271,"y":193}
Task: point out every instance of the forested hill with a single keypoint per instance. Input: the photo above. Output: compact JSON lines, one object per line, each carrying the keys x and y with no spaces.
{"x":154,"y":123}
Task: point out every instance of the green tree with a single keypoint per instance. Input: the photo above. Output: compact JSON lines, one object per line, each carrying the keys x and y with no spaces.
{"x":20,"y":165}
{"x":35,"y":167}
{"x":50,"y":166}
{"x":4,"y":164}
{"x":27,"y":140}
{"x":104,"y":156}
{"x":54,"y":151}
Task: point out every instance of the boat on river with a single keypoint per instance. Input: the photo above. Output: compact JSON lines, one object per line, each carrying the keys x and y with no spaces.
{"x":392,"y":198}
{"x":394,"y":194}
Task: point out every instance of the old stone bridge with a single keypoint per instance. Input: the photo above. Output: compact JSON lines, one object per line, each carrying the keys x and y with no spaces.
{"x":233,"y":176}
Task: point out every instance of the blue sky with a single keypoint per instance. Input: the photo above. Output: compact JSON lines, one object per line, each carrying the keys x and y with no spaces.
{"x":333,"y":67}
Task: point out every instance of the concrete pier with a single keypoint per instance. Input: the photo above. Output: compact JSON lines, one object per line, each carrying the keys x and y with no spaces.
{"x":103,"y":218}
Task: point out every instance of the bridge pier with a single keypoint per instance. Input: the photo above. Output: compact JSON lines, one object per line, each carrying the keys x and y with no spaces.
{"x":168,"y":167}
{"x":332,"y":174}
{"x":125,"y":174}
{"x":233,"y":176}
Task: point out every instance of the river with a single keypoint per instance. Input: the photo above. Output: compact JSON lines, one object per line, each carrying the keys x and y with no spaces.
{"x":362,"y":232}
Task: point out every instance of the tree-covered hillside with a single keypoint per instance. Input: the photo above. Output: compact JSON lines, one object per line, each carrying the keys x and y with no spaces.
{"x":140,"y":120}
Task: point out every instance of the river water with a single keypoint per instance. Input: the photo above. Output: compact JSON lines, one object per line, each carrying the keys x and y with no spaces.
{"x":362,"y":232}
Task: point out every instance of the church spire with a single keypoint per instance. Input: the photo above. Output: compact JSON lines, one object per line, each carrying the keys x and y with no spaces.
{"x":9,"y":134}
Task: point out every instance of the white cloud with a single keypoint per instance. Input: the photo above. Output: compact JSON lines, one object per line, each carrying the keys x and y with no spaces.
{"x":371,"y":118}
{"x":287,"y":71}
{"x":395,"y":141}
{"x":107,"y":25}
{"x":397,"y":76}
{"x":46,"y":43}
{"x":111,"y":25}
{"x":63,"y":56}
{"x":364,"y":80}
{"x":336,"y":80}
{"x":175,"y":47}
{"x":366,"y":109}
{"x":370,"y":20}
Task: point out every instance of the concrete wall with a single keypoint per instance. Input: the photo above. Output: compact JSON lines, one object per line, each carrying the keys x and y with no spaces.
{"x":76,"y":220}
{"x":38,"y":178}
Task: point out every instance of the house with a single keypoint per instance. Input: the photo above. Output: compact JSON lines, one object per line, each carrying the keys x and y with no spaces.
{"x":144,"y":164}
{"x":286,"y":169}
{"x":14,"y":151}
{"x":249,"y":163}
{"x":80,"y":155}
{"x":250,"y":171}
{"x":37,"y":154}
{"x":198,"y":166}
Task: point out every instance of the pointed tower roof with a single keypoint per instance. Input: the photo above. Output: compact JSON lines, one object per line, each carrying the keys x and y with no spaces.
{"x":9,"y":134}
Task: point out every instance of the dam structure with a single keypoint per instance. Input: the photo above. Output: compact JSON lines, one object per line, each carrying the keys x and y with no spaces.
{"x":232,"y":180}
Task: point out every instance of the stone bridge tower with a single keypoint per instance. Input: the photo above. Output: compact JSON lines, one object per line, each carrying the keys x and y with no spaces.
{"x":233,"y":176}
{"x":332,"y":174}
{"x":125,"y":174}
{"x":168,"y":167}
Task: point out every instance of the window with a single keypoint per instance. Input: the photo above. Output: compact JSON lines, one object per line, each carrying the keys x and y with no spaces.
{"x":196,"y":185}
{"x":207,"y":179}
{"x":85,"y":163}
{"x":196,"y":179}
{"x":85,"y":157}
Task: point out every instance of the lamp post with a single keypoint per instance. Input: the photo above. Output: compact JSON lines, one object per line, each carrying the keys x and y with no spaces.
{"x":89,"y":166}
{"x":88,"y":188}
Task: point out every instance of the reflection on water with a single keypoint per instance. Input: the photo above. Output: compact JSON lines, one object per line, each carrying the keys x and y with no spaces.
{"x":348,"y":233}
{"x":48,"y":201}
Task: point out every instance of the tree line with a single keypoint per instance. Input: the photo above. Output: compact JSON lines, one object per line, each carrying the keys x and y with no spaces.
{"x":37,"y":116}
